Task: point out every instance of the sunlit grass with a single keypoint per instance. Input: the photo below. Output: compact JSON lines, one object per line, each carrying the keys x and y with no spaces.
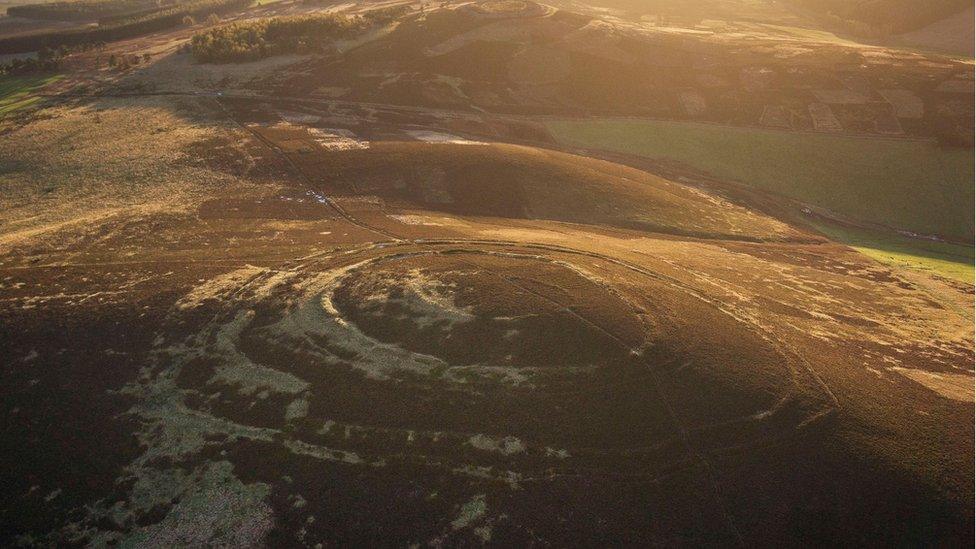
{"x":908,"y":184}
{"x":812,"y":35}
{"x":15,"y":91}
{"x":949,"y":260}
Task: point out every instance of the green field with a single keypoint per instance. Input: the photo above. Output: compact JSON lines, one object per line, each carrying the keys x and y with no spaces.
{"x":911,"y":185}
{"x":949,"y":260}
{"x":15,"y":91}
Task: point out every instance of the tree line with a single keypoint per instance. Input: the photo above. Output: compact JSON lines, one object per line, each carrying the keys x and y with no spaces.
{"x":47,"y":60}
{"x":251,"y":40}
{"x":82,"y":10}
{"x":128,"y":27}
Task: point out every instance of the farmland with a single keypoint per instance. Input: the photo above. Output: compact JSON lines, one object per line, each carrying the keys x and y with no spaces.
{"x":15,"y":92}
{"x":953,"y":261}
{"x":908,"y":185}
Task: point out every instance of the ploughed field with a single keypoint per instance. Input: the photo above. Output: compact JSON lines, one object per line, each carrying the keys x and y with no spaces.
{"x":325,"y":336}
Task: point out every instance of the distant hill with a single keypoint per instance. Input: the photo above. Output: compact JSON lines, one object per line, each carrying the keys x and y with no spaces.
{"x":860,"y":17}
{"x":954,"y":34}
{"x":883,"y":16}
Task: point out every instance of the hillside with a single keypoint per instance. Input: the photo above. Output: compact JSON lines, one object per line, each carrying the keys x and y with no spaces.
{"x":525,"y":183}
{"x":884,"y":16}
{"x":954,"y":34}
{"x":568,"y":63}
{"x":494,"y":273}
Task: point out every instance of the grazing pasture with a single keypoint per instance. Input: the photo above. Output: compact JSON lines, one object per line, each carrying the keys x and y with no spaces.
{"x":15,"y":91}
{"x":908,"y":185}
{"x":953,"y":261}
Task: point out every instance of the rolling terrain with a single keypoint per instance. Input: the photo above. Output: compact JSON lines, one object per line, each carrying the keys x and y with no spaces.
{"x":861,"y":192}
{"x":473,"y":275}
{"x":954,"y":34}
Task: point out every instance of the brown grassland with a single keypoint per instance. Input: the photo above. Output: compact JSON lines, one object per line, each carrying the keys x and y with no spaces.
{"x":361,"y":296}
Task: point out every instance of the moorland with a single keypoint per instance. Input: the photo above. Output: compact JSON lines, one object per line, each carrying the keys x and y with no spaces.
{"x":314,"y":273}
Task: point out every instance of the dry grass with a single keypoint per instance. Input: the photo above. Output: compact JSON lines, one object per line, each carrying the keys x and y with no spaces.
{"x":78,"y":165}
{"x":524,"y":182}
{"x":535,"y":348}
